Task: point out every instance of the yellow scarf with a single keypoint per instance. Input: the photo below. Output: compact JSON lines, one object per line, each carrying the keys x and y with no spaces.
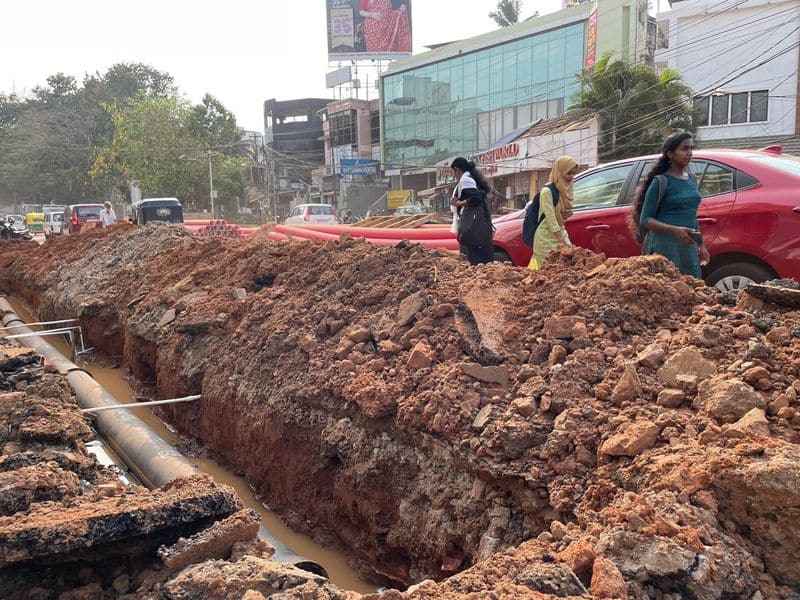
{"x":561,"y":167}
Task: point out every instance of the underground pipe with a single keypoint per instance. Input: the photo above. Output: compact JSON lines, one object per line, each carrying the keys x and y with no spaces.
{"x":146,"y":454}
{"x":150,"y":458}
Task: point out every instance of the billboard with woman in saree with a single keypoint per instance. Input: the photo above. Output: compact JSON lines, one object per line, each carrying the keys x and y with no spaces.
{"x":367,"y":29}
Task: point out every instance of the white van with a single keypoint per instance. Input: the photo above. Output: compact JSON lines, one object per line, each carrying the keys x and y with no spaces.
{"x":52,"y":223}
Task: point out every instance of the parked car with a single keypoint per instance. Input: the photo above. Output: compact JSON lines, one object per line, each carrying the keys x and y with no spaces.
{"x":52,"y":223}
{"x":80,"y":216}
{"x":409,"y":209}
{"x":157,"y":209}
{"x":309,"y":214}
{"x":749,"y":214}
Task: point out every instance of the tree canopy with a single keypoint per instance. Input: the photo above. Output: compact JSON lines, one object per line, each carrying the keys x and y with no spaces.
{"x":508,"y":12}
{"x":637,"y":107}
{"x":71,"y":142}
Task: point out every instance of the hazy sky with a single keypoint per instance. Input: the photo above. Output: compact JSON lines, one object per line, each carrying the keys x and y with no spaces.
{"x":243,"y":52}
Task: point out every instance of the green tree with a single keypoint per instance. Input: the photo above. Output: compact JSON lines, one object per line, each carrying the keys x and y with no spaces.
{"x":213,"y":124}
{"x":507,"y":12}
{"x":637,"y":107}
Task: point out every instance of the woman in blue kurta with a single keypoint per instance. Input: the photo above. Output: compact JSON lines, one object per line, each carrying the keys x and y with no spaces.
{"x":671,"y":222}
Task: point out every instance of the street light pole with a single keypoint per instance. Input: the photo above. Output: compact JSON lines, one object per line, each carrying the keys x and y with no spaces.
{"x":211,"y":184}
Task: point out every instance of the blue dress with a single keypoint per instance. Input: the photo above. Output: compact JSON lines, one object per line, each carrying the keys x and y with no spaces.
{"x":678,"y":207}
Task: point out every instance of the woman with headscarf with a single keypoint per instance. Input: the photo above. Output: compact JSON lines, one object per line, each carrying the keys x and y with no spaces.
{"x":474,"y":219}
{"x":551,"y":231}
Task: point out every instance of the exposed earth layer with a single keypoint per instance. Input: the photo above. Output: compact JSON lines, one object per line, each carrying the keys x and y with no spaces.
{"x":597,"y":429}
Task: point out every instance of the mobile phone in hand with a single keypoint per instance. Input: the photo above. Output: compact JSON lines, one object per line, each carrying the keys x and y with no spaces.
{"x":696,"y":237}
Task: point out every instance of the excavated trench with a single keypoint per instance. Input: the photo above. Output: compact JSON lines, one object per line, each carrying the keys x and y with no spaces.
{"x":596,"y":429}
{"x":111,"y":379}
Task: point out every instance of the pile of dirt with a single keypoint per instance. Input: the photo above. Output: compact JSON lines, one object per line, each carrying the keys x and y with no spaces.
{"x":432,"y":416}
{"x":72,"y":528}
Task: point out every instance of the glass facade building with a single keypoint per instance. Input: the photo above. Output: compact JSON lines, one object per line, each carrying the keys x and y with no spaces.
{"x":462,"y":104}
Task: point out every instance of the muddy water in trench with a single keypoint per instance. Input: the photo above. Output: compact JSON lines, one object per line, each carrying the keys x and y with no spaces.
{"x":111,"y":379}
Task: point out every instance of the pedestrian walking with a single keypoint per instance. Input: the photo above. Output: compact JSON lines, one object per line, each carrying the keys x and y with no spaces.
{"x":665,"y":209}
{"x":107,"y":215}
{"x":474,"y":219}
{"x":555,"y":207}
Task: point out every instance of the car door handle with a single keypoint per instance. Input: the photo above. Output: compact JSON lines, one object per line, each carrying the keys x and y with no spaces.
{"x":706,"y":220}
{"x":598,"y":227}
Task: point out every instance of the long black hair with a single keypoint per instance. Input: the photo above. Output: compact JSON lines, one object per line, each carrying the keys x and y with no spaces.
{"x":670,"y":145}
{"x":462,"y":164}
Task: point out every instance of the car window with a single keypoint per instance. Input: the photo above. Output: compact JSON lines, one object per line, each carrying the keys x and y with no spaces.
{"x":321,"y":210}
{"x":601,"y":188}
{"x":712,"y":179}
{"x":296,"y":211}
{"x":88,"y":211}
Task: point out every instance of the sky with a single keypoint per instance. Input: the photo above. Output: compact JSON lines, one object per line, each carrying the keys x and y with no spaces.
{"x":242,"y":52}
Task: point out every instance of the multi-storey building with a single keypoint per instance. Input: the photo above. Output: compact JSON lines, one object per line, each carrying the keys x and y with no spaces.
{"x":741,"y":58}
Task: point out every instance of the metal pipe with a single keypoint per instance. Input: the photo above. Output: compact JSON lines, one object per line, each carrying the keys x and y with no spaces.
{"x":140,"y":404}
{"x":146,"y":454}
{"x":41,"y":323}
{"x":153,"y":461}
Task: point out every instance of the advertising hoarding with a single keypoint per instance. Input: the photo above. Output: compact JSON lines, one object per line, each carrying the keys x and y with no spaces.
{"x":591,"y":40}
{"x":368,"y":29}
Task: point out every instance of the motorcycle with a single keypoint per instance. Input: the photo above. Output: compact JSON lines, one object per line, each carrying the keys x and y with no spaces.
{"x":11,"y":230}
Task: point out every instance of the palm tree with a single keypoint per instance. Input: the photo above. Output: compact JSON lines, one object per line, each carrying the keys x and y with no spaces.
{"x":637,"y":107}
{"x":507,"y":13}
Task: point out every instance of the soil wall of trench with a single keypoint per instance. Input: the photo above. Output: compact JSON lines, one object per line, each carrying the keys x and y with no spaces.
{"x":638,"y":429}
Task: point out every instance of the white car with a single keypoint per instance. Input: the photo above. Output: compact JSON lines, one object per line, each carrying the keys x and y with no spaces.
{"x":52,"y":223}
{"x":310,"y":214}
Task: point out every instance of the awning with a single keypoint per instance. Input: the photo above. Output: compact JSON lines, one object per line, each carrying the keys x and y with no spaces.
{"x":436,"y":190}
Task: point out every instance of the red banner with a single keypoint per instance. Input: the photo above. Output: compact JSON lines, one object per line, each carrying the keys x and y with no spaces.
{"x":591,"y":39}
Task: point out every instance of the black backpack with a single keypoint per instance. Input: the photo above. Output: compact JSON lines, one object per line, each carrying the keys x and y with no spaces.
{"x":641,"y":230}
{"x":532,"y":218}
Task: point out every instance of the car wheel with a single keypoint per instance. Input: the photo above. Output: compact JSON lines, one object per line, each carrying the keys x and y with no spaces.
{"x":500,"y":256}
{"x":735,"y":276}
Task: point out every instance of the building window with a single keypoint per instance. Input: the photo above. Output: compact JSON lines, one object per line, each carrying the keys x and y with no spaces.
{"x":343,"y":128}
{"x":701,"y":108}
{"x":732,"y":109}
{"x":719,"y":109}
{"x":739,"y":108}
{"x":758,"y":105}
{"x":662,"y":35}
{"x":375,"y":127}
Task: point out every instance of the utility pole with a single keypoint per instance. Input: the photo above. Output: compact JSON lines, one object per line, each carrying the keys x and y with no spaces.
{"x":211,"y":184}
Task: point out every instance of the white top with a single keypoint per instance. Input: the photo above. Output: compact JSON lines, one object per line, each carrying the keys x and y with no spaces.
{"x":107,"y":217}
{"x":465,"y":183}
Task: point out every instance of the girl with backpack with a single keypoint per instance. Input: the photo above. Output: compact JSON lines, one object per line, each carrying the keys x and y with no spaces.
{"x":555,"y":207}
{"x":475,"y":229}
{"x":665,"y":210}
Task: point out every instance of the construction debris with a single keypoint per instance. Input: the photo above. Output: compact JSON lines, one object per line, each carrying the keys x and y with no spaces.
{"x":592,"y":427}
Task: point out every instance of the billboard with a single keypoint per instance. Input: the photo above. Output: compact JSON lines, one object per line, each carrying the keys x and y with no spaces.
{"x":591,"y":40}
{"x":368,"y":29}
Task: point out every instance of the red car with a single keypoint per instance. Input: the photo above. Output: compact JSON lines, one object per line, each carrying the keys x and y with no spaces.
{"x":80,"y":216}
{"x":749,"y":214}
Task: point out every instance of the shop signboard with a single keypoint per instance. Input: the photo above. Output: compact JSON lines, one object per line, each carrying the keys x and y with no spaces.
{"x":368,"y":29}
{"x":398,"y":198}
{"x":360,"y":167}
